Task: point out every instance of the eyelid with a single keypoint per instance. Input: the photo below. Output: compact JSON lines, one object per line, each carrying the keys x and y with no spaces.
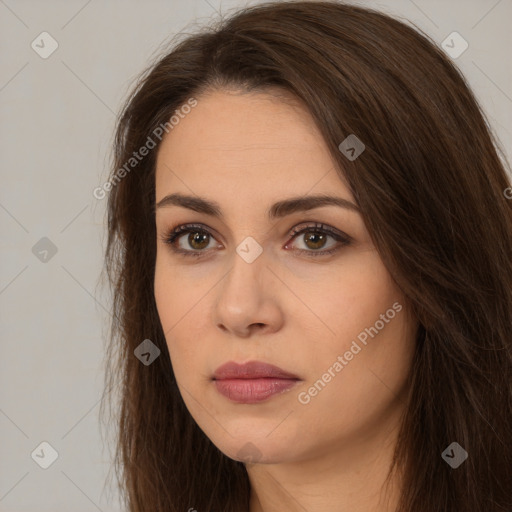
{"x":171,"y":235}
{"x":320,"y":227}
{"x":339,"y":236}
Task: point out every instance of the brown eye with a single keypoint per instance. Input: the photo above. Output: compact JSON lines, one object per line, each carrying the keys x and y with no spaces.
{"x":315,"y":240}
{"x":198,"y":240}
{"x":195,"y":244}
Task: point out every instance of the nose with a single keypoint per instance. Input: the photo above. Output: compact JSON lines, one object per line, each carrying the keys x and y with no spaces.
{"x":249,"y":299}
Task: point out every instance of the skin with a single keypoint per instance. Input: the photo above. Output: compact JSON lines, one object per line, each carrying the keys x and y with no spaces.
{"x":295,"y":310}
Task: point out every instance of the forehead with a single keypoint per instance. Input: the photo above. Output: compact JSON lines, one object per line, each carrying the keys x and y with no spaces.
{"x":235,"y":144}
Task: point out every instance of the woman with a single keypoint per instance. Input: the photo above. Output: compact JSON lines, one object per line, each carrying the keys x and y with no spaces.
{"x":309,"y":245}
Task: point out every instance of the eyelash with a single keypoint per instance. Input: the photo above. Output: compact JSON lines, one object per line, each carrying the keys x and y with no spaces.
{"x":170,"y":237}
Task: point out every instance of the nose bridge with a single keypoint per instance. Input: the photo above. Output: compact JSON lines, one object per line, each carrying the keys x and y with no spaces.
{"x":245,"y":297}
{"x":245,"y":279}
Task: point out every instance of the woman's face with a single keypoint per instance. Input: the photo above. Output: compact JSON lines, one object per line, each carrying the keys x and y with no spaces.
{"x":319,"y":305}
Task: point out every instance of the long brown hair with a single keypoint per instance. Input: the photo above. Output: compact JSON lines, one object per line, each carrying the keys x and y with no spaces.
{"x":430,"y":185}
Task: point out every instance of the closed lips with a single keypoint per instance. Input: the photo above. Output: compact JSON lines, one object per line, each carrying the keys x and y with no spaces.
{"x":252,"y":382}
{"x":251,"y":370}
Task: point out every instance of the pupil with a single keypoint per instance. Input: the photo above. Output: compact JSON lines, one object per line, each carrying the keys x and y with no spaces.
{"x":320,"y":239}
{"x":195,"y":239}
{"x":199,"y":240}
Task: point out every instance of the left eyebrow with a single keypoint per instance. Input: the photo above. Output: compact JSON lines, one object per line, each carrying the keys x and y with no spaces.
{"x":277,"y":210}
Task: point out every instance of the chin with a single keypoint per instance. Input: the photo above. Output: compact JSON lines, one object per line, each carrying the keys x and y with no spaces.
{"x":256,"y":446}
{"x":257,"y":451}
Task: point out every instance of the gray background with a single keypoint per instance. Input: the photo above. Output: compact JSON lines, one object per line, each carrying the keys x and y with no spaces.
{"x":57,"y":119}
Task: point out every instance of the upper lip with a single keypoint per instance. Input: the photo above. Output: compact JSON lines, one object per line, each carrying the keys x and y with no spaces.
{"x":251,"y":370}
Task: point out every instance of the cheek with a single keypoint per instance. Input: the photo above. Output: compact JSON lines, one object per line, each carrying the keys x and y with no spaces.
{"x":350,"y":305}
{"x":372,"y":373}
{"x":178,"y":292}
{"x":177,"y":305}
{"x":165,"y":295}
{"x":351,"y":297}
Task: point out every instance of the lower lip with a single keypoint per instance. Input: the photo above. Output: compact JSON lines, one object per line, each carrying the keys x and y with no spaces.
{"x":249,"y":391}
